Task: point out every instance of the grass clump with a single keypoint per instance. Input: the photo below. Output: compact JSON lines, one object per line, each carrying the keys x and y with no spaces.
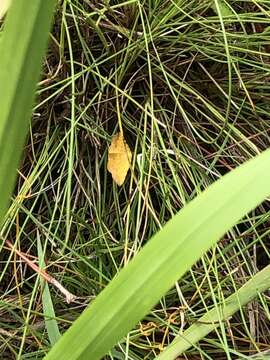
{"x":189,"y":83}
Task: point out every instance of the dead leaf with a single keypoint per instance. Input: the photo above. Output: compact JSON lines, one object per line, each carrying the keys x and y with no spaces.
{"x":119,"y":158}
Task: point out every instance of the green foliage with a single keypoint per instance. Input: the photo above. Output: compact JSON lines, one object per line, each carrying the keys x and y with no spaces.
{"x":164,"y":259}
{"x":190,"y":77}
{"x":214,"y":318}
{"x":22,"y":46}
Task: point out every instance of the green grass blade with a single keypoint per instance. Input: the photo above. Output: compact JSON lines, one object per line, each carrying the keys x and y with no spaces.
{"x":22,"y":46}
{"x":165,"y":258}
{"x":211,"y":320}
{"x":48,"y":309}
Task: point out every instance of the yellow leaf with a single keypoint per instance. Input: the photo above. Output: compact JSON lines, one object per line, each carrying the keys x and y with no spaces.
{"x":119,"y":158}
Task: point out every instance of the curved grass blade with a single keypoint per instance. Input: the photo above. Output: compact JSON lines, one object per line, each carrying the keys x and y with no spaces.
{"x":211,"y":320}
{"x":23,"y":44}
{"x":164,"y":259}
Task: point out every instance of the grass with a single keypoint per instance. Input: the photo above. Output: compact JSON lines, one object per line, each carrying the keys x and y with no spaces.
{"x":191,"y":89}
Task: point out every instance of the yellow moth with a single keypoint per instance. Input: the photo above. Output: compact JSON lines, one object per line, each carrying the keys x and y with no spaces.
{"x":119,"y":158}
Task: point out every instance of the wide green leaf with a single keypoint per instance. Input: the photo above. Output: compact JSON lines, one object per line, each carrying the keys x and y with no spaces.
{"x":23,"y":44}
{"x":165,"y":258}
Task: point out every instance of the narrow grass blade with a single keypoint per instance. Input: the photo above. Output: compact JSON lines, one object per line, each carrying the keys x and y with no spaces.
{"x":23,"y":44}
{"x":48,"y":309}
{"x":165,"y":258}
{"x":211,"y":320}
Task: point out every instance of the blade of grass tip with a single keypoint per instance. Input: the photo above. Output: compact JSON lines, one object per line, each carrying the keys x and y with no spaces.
{"x":163,"y":260}
{"x":211,"y":320}
{"x":48,"y":309}
{"x":4,"y":5}
{"x":22,"y":46}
